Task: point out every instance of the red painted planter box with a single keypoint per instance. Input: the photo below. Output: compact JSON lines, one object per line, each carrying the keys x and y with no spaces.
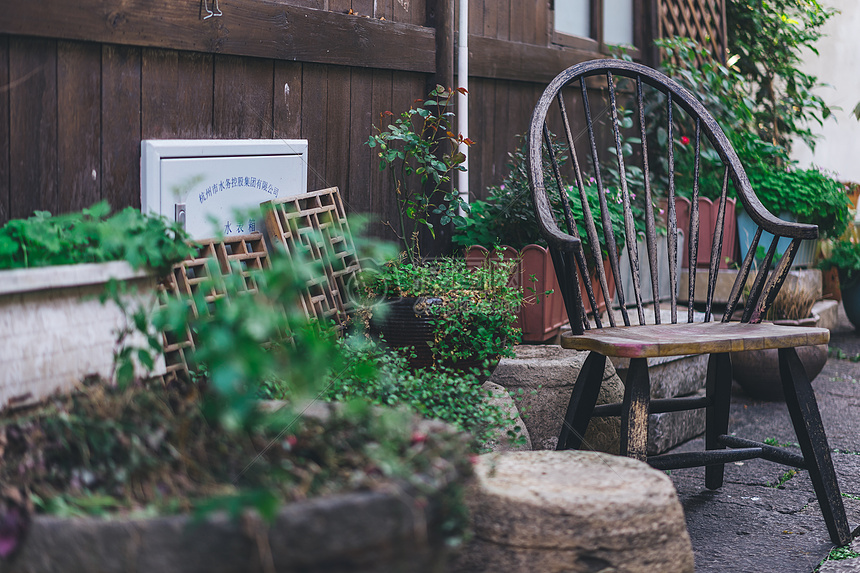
{"x":707,"y":223}
{"x":542,"y":315}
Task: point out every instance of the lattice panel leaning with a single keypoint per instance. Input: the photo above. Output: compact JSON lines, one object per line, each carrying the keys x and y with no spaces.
{"x":243,"y":253}
{"x":701,"y":20}
{"x":314,"y":224}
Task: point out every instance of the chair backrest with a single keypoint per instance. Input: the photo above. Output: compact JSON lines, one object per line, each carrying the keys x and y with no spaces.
{"x":589,"y":92}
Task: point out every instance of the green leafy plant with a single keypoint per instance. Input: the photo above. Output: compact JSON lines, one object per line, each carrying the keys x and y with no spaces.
{"x":439,"y":394}
{"x":92,"y":236}
{"x":845,"y":257}
{"x":506,"y":216}
{"x":420,"y":151}
{"x":783,"y":479}
{"x":809,"y":194}
{"x":473,"y":315}
{"x":766,"y":40}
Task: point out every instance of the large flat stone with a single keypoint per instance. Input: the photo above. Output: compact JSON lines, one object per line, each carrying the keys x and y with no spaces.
{"x":573,"y":511}
{"x":515,"y":437}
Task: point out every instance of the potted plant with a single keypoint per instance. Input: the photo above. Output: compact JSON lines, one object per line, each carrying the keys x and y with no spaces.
{"x":844,"y":256}
{"x":444,"y":313}
{"x":54,"y":270}
{"x":506,"y":218}
{"x":804,"y":195}
{"x":757,"y":371}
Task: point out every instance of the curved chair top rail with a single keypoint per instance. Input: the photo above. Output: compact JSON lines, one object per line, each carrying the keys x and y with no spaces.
{"x":568,"y":253}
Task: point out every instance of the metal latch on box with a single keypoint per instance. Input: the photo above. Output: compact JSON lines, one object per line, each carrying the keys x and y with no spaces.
{"x":179,"y":214}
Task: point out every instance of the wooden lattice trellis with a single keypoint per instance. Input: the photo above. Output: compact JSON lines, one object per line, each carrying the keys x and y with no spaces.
{"x":312,"y":224}
{"x":701,"y":20}
{"x":315,"y":223}
{"x":242,"y":254}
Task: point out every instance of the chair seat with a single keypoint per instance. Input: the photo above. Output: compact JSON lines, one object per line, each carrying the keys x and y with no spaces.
{"x":652,"y":340}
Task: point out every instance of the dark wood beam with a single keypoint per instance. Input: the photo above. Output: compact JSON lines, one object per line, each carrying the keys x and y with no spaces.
{"x":258,"y":28}
{"x":505,"y":60}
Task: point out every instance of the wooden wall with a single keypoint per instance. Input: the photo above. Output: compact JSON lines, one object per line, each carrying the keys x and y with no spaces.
{"x":81,"y":84}
{"x":512,"y":59}
{"x":73,"y":112}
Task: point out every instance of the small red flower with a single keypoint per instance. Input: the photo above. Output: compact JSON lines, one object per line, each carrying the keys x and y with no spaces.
{"x":418,"y":437}
{"x":685,"y":140}
{"x":292,"y":441}
{"x":474,"y":459}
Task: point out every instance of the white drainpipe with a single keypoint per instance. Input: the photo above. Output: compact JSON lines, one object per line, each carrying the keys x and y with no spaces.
{"x":462,"y":102}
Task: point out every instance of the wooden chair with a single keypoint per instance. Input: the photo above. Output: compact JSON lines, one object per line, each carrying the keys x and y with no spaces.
{"x":578,"y":85}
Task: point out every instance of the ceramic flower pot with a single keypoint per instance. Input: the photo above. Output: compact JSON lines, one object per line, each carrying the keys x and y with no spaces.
{"x":757,"y":371}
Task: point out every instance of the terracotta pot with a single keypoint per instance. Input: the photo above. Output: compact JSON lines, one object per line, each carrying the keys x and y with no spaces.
{"x":707,"y":223}
{"x":757,"y":371}
{"x":543,"y":315}
{"x":404,"y":324}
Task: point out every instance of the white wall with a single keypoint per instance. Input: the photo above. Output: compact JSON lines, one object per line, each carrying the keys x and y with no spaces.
{"x":838,"y":64}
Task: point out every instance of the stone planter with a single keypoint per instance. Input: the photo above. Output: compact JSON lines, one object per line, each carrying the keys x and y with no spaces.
{"x":757,"y":371}
{"x":542,"y":319}
{"x":54,"y":332}
{"x":383,"y":531}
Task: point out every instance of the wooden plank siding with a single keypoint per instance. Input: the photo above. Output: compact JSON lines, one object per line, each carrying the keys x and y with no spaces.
{"x":81,"y":84}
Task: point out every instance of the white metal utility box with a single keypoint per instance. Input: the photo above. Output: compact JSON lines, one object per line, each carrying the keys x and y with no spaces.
{"x":204,"y":182}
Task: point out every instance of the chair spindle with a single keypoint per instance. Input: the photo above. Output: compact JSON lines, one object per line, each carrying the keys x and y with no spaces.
{"x":650,"y":230}
{"x":608,"y":235}
{"x":587,"y":218}
{"x":693,"y":229}
{"x":771,"y":289}
{"x":741,"y":280}
{"x":672,"y":215}
{"x":629,"y":226}
{"x":717,"y":246}
{"x":760,"y":277}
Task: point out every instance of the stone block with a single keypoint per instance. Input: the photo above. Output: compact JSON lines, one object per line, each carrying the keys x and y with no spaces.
{"x":545,"y":374}
{"x":501,"y":441}
{"x":722,"y":290}
{"x":827,"y":312}
{"x":671,"y":376}
{"x":667,"y":430}
{"x":573,"y":511}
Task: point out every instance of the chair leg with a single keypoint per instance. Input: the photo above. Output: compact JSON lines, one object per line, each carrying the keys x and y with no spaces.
{"x":803,"y":408}
{"x":582,"y":401}
{"x":634,"y":411}
{"x":719,"y":390}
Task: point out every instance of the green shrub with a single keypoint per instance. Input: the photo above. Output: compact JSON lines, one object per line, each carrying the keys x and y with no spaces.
{"x":438,"y":394}
{"x":476,"y":318}
{"x":91,"y":236}
{"x":845,"y":256}
{"x":507,"y":217}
